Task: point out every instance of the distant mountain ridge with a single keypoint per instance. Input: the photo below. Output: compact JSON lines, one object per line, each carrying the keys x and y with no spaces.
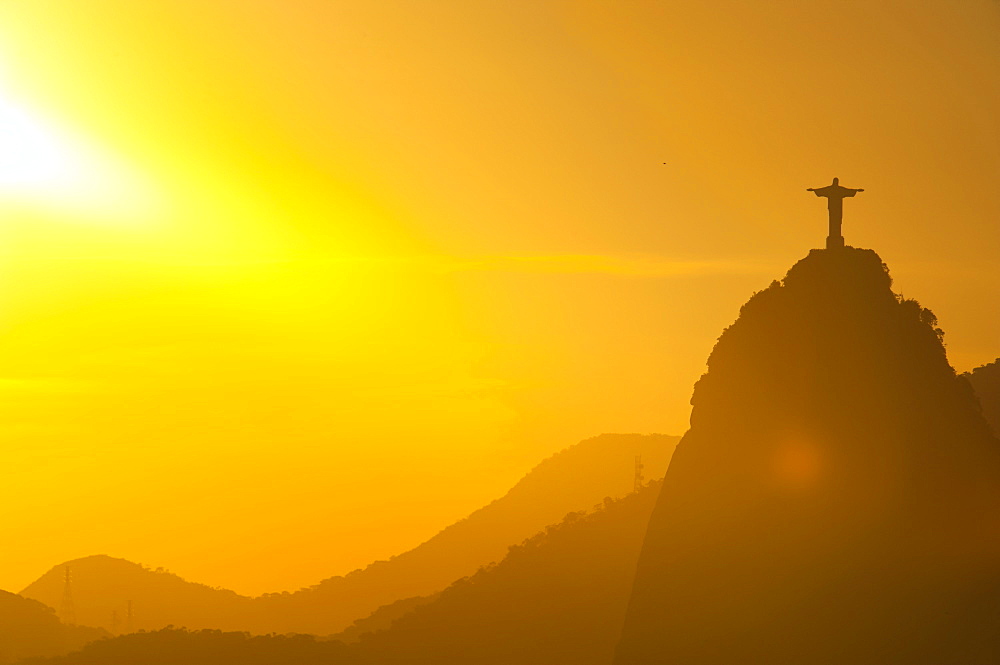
{"x":574,"y":479}
{"x":557,"y":597}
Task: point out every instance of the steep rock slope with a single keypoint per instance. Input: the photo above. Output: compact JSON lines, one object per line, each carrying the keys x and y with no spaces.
{"x":836,"y":498}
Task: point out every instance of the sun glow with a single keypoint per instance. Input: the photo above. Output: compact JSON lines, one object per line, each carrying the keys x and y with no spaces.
{"x":43,"y":166}
{"x":348,"y":269}
{"x":30,"y":157}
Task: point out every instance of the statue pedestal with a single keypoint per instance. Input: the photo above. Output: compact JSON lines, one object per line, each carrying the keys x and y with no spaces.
{"x":834,"y":242}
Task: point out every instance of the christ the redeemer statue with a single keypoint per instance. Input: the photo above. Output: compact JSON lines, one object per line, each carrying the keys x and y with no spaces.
{"x":835,"y":195}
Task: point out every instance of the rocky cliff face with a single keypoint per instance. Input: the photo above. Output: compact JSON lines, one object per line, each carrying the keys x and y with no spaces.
{"x":837,"y":496}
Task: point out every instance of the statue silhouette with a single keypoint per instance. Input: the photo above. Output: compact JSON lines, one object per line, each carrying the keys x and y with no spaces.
{"x":835,"y":195}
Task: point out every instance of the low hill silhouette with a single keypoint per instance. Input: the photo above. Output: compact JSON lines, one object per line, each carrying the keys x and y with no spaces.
{"x":574,"y":479}
{"x":985,"y":381}
{"x":103,"y":585}
{"x":30,"y":629}
{"x":837,"y":498}
{"x":171,"y":646}
{"x":382,"y":618}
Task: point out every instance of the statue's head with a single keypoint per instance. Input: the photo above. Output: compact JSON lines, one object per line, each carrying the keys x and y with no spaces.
{"x":836,"y":181}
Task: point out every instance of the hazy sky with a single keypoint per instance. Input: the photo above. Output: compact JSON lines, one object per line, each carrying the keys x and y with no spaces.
{"x":288,"y":286}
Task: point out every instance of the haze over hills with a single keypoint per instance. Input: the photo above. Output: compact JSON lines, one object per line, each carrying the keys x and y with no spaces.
{"x":837,"y":498}
{"x":835,"y":501}
{"x":558,"y":597}
{"x":103,"y":585}
{"x":30,"y":629}
{"x":572,"y":480}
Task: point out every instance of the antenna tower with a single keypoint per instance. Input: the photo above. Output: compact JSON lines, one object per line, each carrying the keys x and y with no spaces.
{"x":67,"y":611}
{"x":638,"y":473}
{"x":128,"y":618}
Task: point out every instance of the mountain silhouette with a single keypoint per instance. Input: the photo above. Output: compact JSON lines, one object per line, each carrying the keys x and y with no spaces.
{"x":574,"y":479}
{"x":558,"y":597}
{"x":571,"y":480}
{"x":29,"y":629}
{"x":836,"y":497}
{"x":985,"y":381}
{"x":836,"y":500}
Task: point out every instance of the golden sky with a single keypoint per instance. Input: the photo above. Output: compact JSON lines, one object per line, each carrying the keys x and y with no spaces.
{"x":286,"y":287}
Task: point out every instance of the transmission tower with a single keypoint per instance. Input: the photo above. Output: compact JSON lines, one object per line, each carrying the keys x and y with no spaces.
{"x":638,"y":473}
{"x":114,"y":622}
{"x":67,"y":611}
{"x":128,"y":618}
